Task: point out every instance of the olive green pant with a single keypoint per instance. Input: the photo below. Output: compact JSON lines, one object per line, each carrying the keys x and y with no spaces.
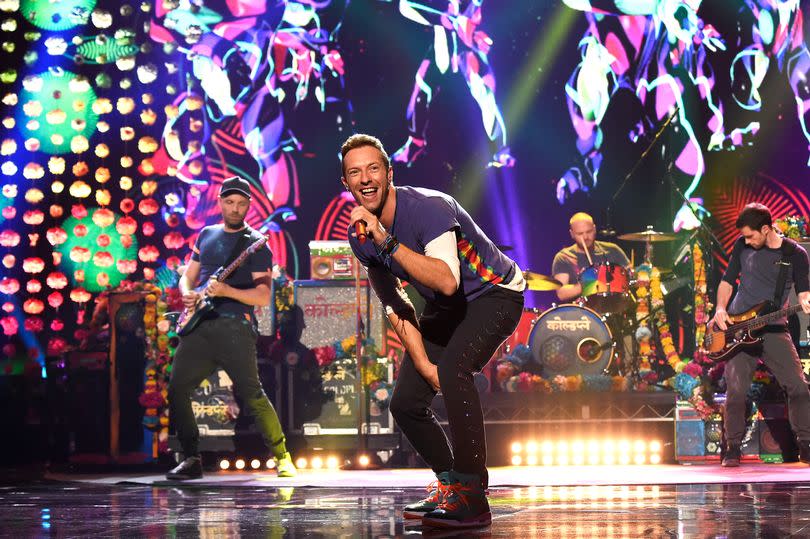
{"x":230,"y":344}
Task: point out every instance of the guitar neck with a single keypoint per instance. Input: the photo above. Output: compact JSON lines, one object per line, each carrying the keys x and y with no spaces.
{"x":241,"y":258}
{"x":766,"y":319}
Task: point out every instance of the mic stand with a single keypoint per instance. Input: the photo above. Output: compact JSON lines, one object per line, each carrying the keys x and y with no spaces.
{"x":609,"y":208}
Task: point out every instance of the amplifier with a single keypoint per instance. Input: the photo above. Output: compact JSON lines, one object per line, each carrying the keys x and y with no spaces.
{"x":330,"y":312}
{"x":331,"y":260}
{"x":341,"y":406}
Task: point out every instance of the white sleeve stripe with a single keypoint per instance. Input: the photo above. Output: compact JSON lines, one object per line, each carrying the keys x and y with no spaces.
{"x":445,"y":249}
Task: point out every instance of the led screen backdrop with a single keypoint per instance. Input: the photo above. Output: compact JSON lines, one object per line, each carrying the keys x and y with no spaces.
{"x":120,"y":120}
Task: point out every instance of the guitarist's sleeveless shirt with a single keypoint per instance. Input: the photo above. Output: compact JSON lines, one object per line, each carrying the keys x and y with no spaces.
{"x":212,"y":249}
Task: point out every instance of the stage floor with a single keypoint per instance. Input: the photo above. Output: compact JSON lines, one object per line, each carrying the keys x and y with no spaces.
{"x":510,"y":476}
{"x":639,"y":501}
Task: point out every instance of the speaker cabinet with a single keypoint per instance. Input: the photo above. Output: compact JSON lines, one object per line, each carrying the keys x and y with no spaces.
{"x":776,"y":440}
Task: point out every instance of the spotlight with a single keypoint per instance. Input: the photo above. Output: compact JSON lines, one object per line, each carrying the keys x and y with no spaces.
{"x":547,"y":447}
{"x":332,"y":463}
{"x":639,"y":446}
{"x":363,"y":461}
{"x":655,"y":458}
{"x":562,"y":459}
{"x":270,"y":464}
{"x":301,"y":462}
{"x":531,"y":460}
{"x":655,"y":446}
{"x":639,"y":459}
{"x":517,"y":460}
{"x":624,"y":459}
{"x":517,"y":447}
{"x":224,"y":464}
{"x":240,"y":464}
{"x":608,"y":458}
{"x":316,"y":463}
{"x":579,"y":459}
{"x":255,"y":464}
{"x":548,"y":460}
{"x":593,"y":458}
{"x":531,"y":447}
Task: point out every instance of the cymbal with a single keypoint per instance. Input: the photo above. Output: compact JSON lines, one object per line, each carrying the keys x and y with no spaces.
{"x":541,"y":283}
{"x":649,"y":235}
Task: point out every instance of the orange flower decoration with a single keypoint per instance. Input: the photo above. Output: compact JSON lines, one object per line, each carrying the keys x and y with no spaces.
{"x":33,"y":306}
{"x":148,"y":206}
{"x":56,"y":280}
{"x":148,"y":253}
{"x":174,"y":240}
{"x":33,"y":265}
{"x":80,"y":295}
{"x":103,"y":217}
{"x":9,"y":238}
{"x":33,"y":217}
{"x":126,"y":225}
{"x":79,"y":254}
{"x":9,"y":285}
{"x":56,"y":236}
{"x":103,"y":259}
{"x":127,"y":266}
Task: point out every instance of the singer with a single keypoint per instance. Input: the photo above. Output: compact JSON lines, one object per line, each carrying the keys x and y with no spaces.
{"x":474,"y":299}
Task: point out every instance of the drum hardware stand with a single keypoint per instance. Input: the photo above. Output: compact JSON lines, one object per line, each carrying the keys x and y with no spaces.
{"x":609,"y":209}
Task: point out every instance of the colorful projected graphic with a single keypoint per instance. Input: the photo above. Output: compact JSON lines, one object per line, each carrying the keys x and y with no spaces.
{"x":658,"y":49}
{"x":459,"y":46}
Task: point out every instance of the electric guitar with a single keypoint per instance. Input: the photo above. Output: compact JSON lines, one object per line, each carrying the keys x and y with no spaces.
{"x":191,"y":317}
{"x":742,"y":333}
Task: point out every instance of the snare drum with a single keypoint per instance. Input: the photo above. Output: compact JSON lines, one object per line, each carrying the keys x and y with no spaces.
{"x":606,"y":288}
{"x":569,"y":340}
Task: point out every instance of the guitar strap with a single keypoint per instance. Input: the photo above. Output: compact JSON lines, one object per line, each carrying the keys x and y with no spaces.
{"x":239,"y":246}
{"x":788,"y":248}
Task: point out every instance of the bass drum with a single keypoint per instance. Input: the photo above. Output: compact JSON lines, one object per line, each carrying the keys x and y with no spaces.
{"x":569,"y":340}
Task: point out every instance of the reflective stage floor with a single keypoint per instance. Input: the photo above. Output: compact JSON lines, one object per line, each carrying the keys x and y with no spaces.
{"x":773,"y":504}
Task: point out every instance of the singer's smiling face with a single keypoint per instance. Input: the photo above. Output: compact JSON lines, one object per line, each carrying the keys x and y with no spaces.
{"x":583,"y":232}
{"x":367,"y":177}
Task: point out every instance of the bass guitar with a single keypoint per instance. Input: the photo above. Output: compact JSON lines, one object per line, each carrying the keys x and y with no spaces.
{"x":742,"y":334}
{"x":191,"y":317}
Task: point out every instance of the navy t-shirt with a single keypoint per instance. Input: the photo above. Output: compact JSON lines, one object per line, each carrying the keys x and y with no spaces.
{"x":421,"y":216}
{"x":213,"y":247}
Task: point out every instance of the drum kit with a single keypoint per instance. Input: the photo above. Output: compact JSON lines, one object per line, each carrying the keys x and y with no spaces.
{"x":585,"y":337}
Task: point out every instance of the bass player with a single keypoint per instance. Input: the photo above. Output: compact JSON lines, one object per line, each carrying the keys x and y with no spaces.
{"x":227,"y":337}
{"x":759,"y":256}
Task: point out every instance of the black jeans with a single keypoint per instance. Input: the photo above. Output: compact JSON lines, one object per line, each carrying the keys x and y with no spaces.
{"x":779,"y":355}
{"x":460,"y":341}
{"x":228,"y":343}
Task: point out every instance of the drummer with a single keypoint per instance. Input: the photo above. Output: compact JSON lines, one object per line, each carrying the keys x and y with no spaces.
{"x":570,"y":261}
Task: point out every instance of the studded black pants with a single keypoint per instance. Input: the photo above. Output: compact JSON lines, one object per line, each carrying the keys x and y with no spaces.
{"x":460,"y":340}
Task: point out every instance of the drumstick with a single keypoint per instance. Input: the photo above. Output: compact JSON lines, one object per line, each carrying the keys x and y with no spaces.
{"x":587,"y":254}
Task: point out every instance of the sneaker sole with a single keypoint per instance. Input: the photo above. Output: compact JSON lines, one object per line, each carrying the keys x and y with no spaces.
{"x":413,"y":514}
{"x":182,"y":477}
{"x":484,"y":519}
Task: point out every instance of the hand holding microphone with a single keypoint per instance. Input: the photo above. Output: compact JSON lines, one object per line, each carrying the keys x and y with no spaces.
{"x":360,"y":231}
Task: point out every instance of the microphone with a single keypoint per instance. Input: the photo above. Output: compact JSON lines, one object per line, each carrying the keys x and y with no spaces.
{"x":360,"y":231}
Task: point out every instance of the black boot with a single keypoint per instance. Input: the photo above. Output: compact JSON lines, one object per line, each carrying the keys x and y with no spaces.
{"x":804,"y":451}
{"x":732,"y":455}
{"x":190,"y":468}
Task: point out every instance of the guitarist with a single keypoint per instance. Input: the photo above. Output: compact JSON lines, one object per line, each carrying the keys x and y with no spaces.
{"x":756,"y":260}
{"x":227,"y":337}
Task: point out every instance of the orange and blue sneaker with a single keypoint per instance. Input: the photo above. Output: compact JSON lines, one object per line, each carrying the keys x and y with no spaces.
{"x":434,"y":498}
{"x":464,"y":504}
